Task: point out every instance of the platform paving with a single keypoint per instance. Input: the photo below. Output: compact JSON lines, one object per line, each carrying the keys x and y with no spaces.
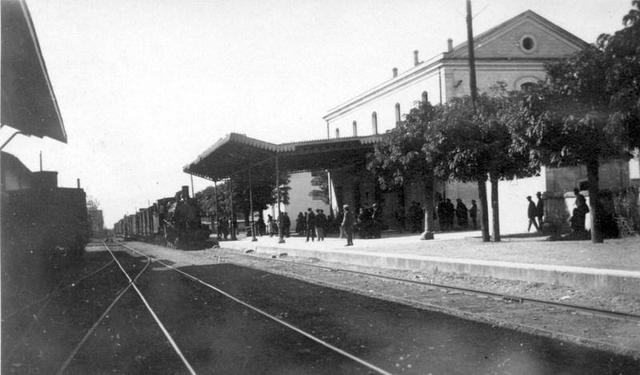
{"x":613,"y":266}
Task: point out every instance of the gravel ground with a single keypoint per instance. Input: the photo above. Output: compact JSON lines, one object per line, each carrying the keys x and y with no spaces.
{"x":603,"y":332}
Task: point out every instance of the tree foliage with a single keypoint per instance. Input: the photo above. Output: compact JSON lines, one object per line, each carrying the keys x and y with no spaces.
{"x":409,"y":151}
{"x":588,"y":110}
{"x":264,"y":193}
{"x":477,"y":140}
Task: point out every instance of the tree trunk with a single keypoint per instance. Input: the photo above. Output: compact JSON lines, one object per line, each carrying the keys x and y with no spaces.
{"x":594,"y":180}
{"x":428,"y":207}
{"x":484,"y":210}
{"x":495,"y":211}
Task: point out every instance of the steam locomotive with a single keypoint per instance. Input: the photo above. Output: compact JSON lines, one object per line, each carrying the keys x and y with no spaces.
{"x":174,"y":222}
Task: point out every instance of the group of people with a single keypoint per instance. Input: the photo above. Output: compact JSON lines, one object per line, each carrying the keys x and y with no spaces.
{"x":271,"y":226}
{"x":577,"y":220}
{"x":446,"y":212}
{"x":226,"y":227}
{"x":535,"y":212}
{"x":312,"y":224}
{"x":369,"y":223}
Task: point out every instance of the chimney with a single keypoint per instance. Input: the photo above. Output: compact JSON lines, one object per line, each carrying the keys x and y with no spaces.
{"x":395,"y":72}
{"x":449,"y":45}
{"x":416,"y":61}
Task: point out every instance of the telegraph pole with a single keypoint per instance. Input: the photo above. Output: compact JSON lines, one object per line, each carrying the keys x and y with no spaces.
{"x":472,"y":59}
{"x":482,"y":185}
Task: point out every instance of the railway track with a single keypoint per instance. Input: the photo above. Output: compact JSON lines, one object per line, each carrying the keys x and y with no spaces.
{"x":263,"y":313}
{"x":191,"y":308}
{"x":507,"y":298}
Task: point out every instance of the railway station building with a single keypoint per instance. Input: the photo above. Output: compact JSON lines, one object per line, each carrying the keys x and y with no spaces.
{"x":512,"y":54}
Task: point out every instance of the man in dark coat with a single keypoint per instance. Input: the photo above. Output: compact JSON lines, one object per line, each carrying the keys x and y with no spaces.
{"x":531,"y":214}
{"x":539,"y":209}
{"x":462,"y":214}
{"x":449,"y":211}
{"x":376,"y":218}
{"x":347,"y":224}
{"x":473,"y":214}
{"x":321,"y":224}
{"x":310,"y":225}
{"x":286,"y":224}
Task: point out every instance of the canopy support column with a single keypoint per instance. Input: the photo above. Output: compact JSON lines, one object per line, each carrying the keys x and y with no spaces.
{"x":232,"y":219}
{"x":279,"y":221}
{"x":215,"y":224}
{"x":253,"y":225}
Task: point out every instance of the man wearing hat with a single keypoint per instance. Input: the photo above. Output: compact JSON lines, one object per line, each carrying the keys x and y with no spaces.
{"x":321,"y":224}
{"x":531,"y":213}
{"x":539,"y":209}
{"x":347,"y":224}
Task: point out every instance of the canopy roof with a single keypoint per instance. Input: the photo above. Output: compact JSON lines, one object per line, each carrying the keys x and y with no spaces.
{"x":237,"y":152}
{"x":28,"y":101}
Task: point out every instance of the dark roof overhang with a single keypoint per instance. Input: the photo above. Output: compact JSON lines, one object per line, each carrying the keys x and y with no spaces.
{"x":28,"y":102}
{"x":237,"y":152}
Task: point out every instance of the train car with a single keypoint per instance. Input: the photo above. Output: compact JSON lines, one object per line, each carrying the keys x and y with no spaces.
{"x":174,"y":222}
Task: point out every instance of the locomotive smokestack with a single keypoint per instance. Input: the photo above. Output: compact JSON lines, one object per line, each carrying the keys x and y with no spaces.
{"x":185,"y":191}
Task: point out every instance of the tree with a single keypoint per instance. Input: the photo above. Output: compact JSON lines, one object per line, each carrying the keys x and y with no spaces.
{"x":589,"y":109}
{"x":408,"y":153}
{"x":477,"y":146}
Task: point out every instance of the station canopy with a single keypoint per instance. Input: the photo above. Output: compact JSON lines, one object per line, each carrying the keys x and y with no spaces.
{"x":28,"y":102}
{"x":237,"y":152}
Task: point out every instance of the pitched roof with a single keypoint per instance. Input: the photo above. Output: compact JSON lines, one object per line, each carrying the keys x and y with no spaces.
{"x":459,"y":52}
{"x":235,"y":152}
{"x":461,"y":49}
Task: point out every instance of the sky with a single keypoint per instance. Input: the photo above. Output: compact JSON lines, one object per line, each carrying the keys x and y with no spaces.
{"x":145,"y":86}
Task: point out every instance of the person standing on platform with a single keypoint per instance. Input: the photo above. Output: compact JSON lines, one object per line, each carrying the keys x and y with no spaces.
{"x":310,"y":224}
{"x":539,"y":209}
{"x":339,"y":218}
{"x":473,"y":214}
{"x":531,"y":214}
{"x":347,"y":224}
{"x":321,"y":224}
{"x":286,"y":224}
{"x":376,"y":218}
{"x":462,"y":214}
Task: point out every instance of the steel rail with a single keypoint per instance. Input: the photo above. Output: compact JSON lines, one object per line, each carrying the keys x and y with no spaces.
{"x":592,"y":310}
{"x":271,"y":317}
{"x":153,"y":314}
{"x":95,"y":325}
{"x":47,"y":298}
{"x":58,"y":289}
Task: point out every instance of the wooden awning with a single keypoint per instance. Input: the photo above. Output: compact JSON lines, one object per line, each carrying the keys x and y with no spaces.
{"x":28,"y":102}
{"x":237,"y":152}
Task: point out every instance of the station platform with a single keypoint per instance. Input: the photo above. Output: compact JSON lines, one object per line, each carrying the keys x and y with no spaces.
{"x":613,"y":266}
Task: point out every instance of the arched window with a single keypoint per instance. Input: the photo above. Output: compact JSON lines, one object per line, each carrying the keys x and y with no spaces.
{"x":337,"y":133}
{"x":374,"y":122}
{"x":397,"y":113}
{"x":526,"y":86}
{"x":355,"y":128}
{"x":425,"y":97}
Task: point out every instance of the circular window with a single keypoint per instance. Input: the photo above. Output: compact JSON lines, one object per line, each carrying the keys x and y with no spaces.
{"x":527,"y":43}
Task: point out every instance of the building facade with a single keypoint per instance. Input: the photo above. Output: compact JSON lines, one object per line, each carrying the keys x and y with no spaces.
{"x":511,"y":55}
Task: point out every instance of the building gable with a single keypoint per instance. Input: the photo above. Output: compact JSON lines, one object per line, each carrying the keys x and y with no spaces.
{"x":526,"y":36}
